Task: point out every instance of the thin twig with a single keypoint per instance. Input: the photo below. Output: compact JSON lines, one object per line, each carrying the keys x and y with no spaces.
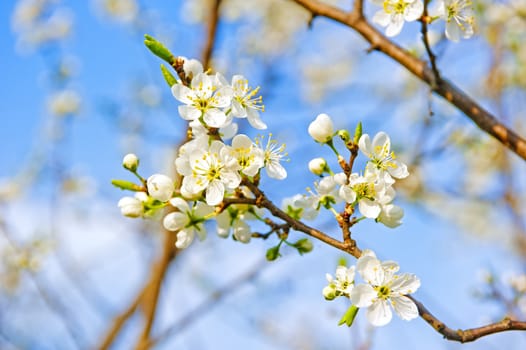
{"x":425,"y":39}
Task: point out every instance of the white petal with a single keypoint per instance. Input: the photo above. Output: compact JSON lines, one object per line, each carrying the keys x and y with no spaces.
{"x":215,"y":118}
{"x":369,"y":208}
{"x":175,"y":221}
{"x":215,"y":193}
{"x":395,"y":27}
{"x":223,"y":97}
{"x":363,"y":295}
{"x":452,"y":31}
{"x":347,"y":194}
{"x":180,"y":204}
{"x":414,"y":11}
{"x":404,"y":308}
{"x":254,"y":119}
{"x":181,"y":93}
{"x":382,"y":18}
{"x":381,"y":142}
{"x":405,"y":284}
{"x":238,"y":110}
{"x":184,"y":238}
{"x":371,"y":270}
{"x":379,"y":314}
{"x":365,"y":145}
{"x":189,"y":112}
{"x":276,"y":171}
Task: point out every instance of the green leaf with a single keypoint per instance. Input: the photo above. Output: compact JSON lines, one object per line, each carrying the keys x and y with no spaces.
{"x":158,"y":49}
{"x":168,"y":77}
{"x":357,"y":132}
{"x":348,"y":317}
{"x":126,"y":185}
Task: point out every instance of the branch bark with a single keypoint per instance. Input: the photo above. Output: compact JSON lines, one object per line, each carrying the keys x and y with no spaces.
{"x":443,"y":87}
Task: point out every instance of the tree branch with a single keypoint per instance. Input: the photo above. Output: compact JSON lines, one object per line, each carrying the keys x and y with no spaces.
{"x":213,"y":20}
{"x":484,"y":119}
{"x":468,"y":335}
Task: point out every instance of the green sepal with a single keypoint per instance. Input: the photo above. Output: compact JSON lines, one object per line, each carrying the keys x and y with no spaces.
{"x":127,"y":185}
{"x":168,"y":77}
{"x":357,"y":133}
{"x":303,"y":246}
{"x":158,"y":49}
{"x":348,"y":317}
{"x":273,"y":253}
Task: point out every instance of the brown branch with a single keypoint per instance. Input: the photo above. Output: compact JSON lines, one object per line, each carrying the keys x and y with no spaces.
{"x":119,"y":321}
{"x":467,"y":335}
{"x":484,"y":119}
{"x":153,"y":288}
{"x":213,"y":20}
{"x":264,"y":202}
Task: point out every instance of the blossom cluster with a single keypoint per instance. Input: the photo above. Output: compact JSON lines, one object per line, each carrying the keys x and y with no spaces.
{"x":383,"y":289}
{"x":211,"y":170}
{"x":458,"y":15}
{"x":371,"y":191}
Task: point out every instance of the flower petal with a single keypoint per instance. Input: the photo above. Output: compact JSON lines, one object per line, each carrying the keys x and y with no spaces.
{"x":404,"y":307}
{"x":379,"y":314}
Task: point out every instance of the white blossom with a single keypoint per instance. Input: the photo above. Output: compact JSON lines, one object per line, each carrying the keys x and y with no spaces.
{"x":391,"y":215}
{"x":321,"y":129}
{"x":395,"y":12}
{"x":244,"y":104}
{"x":204,"y":100}
{"x":130,"y":162}
{"x":273,"y":156}
{"x":384,"y":289}
{"x":382,"y":161}
{"x":187,"y":221}
{"x":248,"y":155}
{"x":212,"y":169}
{"x":341,"y":284}
{"x":317,"y":166}
{"x":369,"y":191}
{"x":459,"y":18}
{"x":160,"y":187}
{"x":133,"y":206}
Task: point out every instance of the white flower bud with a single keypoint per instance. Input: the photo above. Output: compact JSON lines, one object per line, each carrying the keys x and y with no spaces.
{"x":130,"y":162}
{"x":317,"y":166}
{"x":321,"y":129}
{"x":160,"y":187}
{"x":131,"y":207}
{"x":329,"y":292}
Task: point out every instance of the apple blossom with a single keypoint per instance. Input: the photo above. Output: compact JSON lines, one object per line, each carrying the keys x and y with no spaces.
{"x":341,"y":285}
{"x":131,"y":206}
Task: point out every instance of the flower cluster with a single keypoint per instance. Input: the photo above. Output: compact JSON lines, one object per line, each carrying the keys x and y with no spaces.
{"x":372,"y":191}
{"x":458,"y":15}
{"x":383,"y":289}
{"x":211,"y":170}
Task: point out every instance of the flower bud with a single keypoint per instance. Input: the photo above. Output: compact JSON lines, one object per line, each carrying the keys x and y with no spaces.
{"x":131,"y":207}
{"x":321,"y":129}
{"x":329,"y":292}
{"x":317,"y":166}
{"x":303,"y":246}
{"x":130,"y":162}
{"x":160,"y":187}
